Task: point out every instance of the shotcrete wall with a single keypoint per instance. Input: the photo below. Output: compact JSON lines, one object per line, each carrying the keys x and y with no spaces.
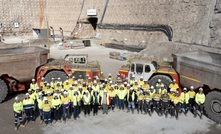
{"x":192,"y":21}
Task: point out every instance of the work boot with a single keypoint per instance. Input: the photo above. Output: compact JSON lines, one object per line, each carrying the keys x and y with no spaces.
{"x":22,"y":125}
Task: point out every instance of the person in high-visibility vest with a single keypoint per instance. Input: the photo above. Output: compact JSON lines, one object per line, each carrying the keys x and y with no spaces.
{"x":185,"y":100}
{"x":46,"y":108}
{"x":33,"y":85}
{"x":192,"y":95}
{"x":105,"y":101}
{"x":140,"y":102}
{"x":56,"y":105}
{"x":130,"y":99}
{"x":75,"y":99}
{"x":18,"y":108}
{"x":156,"y":102}
{"x":199,"y":99}
{"x":147,"y":102}
{"x":65,"y":100}
{"x":176,"y":104}
{"x":40,"y":102}
{"x":112,"y":94}
{"x":173,"y":86}
{"x":28,"y":105}
{"x":121,"y":95}
{"x":145,"y":86}
{"x":141,"y":81}
{"x":87,"y":101}
{"x":165,"y":98}
{"x":96,"y":98}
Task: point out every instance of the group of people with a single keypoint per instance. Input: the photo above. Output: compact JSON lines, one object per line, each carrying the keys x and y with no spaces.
{"x":59,"y":100}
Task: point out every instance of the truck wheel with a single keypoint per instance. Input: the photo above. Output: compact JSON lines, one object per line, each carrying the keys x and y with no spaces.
{"x":55,"y":74}
{"x":213,"y":106}
{"x":3,"y":90}
{"x":164,"y":79}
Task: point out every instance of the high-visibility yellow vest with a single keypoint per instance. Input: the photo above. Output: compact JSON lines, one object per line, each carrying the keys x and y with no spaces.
{"x":192,"y":94}
{"x":70,"y":93}
{"x":46,"y":107}
{"x":75,"y":99}
{"x":40,"y":102}
{"x":55,"y":102}
{"x":146,"y":86}
{"x":147,"y":98}
{"x":96,"y":88}
{"x":140,"y":97}
{"x":65,"y":100}
{"x":133,"y":96}
{"x":184,"y":97}
{"x":156,"y":97}
{"x":176,"y":99}
{"x":52,"y":84}
{"x":33,"y":86}
{"x":107,"y":99}
{"x":87,"y":99}
{"x":140,"y":82}
{"x":112,"y":93}
{"x":200,"y":98}
{"x":173,"y":86}
{"x":18,"y":107}
{"x":121,"y":94}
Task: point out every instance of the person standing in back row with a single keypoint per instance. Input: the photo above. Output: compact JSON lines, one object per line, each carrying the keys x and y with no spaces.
{"x":62,"y":34}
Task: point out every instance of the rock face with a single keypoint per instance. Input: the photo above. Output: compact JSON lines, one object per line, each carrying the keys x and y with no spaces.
{"x":191,"y":21}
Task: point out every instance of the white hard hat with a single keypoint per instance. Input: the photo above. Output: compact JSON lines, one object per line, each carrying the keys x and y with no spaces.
{"x":89,"y":85}
{"x":48,"y":84}
{"x":55,"y":94}
{"x":89,"y":78}
{"x":162,"y":85}
{"x":70,"y":85}
{"x":38,"y":87}
{"x":95,"y":82}
{"x":152,"y":87}
{"x":109,"y":74}
{"x":73,"y":77}
{"x":75,"y":82}
{"x":33,"y":80}
{"x":131,"y":88}
{"x":27,"y":94}
{"x":58,"y":82}
{"x":141,"y":91}
{"x":141,"y":77}
{"x":75,"y":90}
{"x":115,"y":85}
{"x":105,"y":91}
{"x":135,"y":81}
{"x":184,"y":89}
{"x":66,"y":81}
{"x":128,"y":85}
{"x":79,"y":80}
{"x":86,"y":91}
{"x":59,"y":78}
{"x":110,"y":81}
{"x":139,"y":86}
{"x":133,"y":76}
{"x":40,"y":93}
{"x":42,"y":78}
{"x":122,"y":85}
{"x":65,"y":92}
{"x":105,"y":80}
{"x":29,"y":90}
{"x":200,"y":89}
{"x":69,"y":74}
{"x":56,"y":89}
{"x":165,"y":91}
{"x":159,"y":80}
{"x":80,"y":86}
{"x":16,"y":98}
{"x":191,"y":87}
{"x":52,"y":78}
{"x":45,"y":98}
{"x":62,"y":89}
{"x":101,"y":72}
{"x":101,"y":86}
{"x":145,"y":80}
{"x":112,"y":86}
{"x":174,"y":80}
{"x":125,"y":82}
{"x":48,"y":92}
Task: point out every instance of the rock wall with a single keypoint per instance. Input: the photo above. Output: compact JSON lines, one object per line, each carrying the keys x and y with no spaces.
{"x":192,"y":21}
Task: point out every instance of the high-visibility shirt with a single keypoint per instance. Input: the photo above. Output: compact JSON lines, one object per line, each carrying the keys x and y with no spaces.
{"x":121,"y":94}
{"x":28,"y":103}
{"x":75,"y":99}
{"x":33,"y":86}
{"x":40,"y":102}
{"x":65,"y":100}
{"x":132,"y":82}
{"x":50,"y":98}
{"x":71,"y":81}
{"x":173,"y":86}
{"x":184,"y":97}
{"x":135,"y":87}
{"x":52,"y":84}
{"x":112,"y":93}
{"x":96,"y":88}
{"x":140,"y":82}
{"x":146,"y":86}
{"x":171,"y":94}
{"x":157,"y":97}
{"x":147,"y":98}
{"x":50,"y":90}
{"x":152,"y":93}
{"x":70,"y":93}
{"x":165,"y":97}
{"x":200,"y":98}
{"x":161,"y":90}
{"x":192,"y":94}
{"x":42,"y":84}
{"x":33,"y":96}
{"x":18,"y":107}
{"x":101,"y":92}
{"x":176,"y":99}
{"x":158,"y":85}
{"x":81,"y":93}
{"x":46,"y":107}
{"x":140,"y":97}
{"x":87,"y":99}
{"x":56,"y":103}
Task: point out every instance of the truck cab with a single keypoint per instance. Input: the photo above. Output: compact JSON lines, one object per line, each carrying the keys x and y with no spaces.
{"x":139,"y":68}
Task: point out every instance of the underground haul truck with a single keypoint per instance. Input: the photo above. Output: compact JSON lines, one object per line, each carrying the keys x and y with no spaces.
{"x":198,"y":69}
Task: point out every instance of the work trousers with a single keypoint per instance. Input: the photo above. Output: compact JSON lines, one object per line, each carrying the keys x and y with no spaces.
{"x":147,"y":106}
{"x":131,"y":106}
{"x":18,"y":117}
{"x":87,"y":109}
{"x":95,"y":110}
{"x":56,"y":114}
{"x":185,"y":107}
{"x":29,"y":114}
{"x":41,"y":114}
{"x":47,"y":117}
{"x":140,"y":106}
{"x":199,"y":107}
{"x":112,"y":103}
{"x":105,"y":108}
{"x":175,"y":109}
{"x":66,"y":113}
{"x":116,"y":101}
{"x":75,"y":112}
{"x":121,"y":104}
{"x":191,"y":103}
